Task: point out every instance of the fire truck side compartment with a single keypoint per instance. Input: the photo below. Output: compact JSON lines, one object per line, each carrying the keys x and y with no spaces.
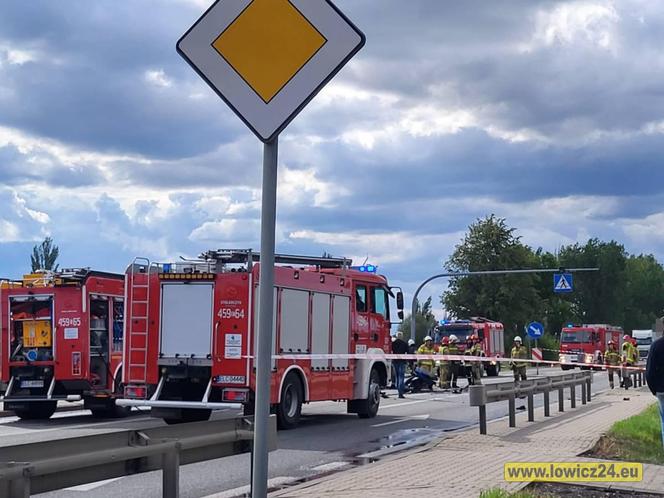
{"x":340,"y":330}
{"x":294,"y":321}
{"x":274,"y":322}
{"x":320,"y":330}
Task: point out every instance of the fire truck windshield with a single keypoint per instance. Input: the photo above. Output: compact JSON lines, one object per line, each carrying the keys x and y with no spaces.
{"x":577,"y":336}
{"x":461,"y":333}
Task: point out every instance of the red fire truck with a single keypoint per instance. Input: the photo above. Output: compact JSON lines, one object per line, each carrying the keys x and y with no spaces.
{"x":191,"y":332}
{"x":586,"y":344}
{"x":61,"y":340}
{"x":490,"y":333}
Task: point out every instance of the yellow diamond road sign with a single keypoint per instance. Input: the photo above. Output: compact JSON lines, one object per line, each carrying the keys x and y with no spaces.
{"x":268,"y":58}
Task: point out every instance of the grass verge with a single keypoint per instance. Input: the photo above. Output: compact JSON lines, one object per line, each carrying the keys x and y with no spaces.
{"x":499,"y":493}
{"x":636,"y":439}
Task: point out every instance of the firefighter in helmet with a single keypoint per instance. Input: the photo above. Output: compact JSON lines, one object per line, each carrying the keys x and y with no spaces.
{"x":612,"y":361}
{"x":519,"y":352}
{"x":629,"y":358}
{"x":476,"y":366}
{"x":444,"y":365}
{"x":468,"y":365}
{"x":426,"y":365}
{"x":412,"y":349}
{"x":453,"y":349}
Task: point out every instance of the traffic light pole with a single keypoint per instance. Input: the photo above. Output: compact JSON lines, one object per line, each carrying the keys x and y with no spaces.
{"x":413,"y":310}
{"x":265,"y":313}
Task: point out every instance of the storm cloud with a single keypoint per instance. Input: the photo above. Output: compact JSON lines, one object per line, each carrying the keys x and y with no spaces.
{"x":547,"y":112}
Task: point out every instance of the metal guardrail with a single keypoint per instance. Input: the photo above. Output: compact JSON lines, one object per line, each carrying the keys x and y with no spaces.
{"x":56,"y":464}
{"x":638,"y":378}
{"x":484,"y":394}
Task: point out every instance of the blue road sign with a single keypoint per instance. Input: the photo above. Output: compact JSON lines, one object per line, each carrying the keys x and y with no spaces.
{"x":562,"y":282}
{"x":535,"y":330}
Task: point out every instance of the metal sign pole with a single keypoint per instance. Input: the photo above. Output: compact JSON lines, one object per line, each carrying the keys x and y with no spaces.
{"x":537,"y":364}
{"x":265,"y":313}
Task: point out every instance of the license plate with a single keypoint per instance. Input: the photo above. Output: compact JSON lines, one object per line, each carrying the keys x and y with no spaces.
{"x":25,"y":384}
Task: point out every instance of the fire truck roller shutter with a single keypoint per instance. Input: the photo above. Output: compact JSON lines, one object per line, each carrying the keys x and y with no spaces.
{"x":294,"y":327}
{"x":274,"y":322}
{"x":320,"y":330}
{"x":340,"y":330}
{"x":186,"y":319}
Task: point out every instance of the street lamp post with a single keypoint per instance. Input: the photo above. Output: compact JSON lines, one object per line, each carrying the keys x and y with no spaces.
{"x":413,"y":311}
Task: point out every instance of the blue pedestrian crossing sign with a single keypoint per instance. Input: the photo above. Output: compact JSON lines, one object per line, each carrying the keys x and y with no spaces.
{"x":535,"y":330}
{"x":562,"y":282}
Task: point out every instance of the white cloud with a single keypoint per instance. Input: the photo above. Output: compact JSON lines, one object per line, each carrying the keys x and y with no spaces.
{"x":646,"y":233}
{"x":571,"y":23}
{"x":17,"y":56}
{"x":380,"y":248}
{"x":238,"y":233}
{"x":157,"y":77}
{"x":303,"y":187}
{"x":9,"y":232}
{"x":36,"y":147}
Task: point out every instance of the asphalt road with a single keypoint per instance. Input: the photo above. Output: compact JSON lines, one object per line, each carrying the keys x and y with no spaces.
{"x":327,"y":440}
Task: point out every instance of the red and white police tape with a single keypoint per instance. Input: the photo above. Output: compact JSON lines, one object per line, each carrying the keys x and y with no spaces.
{"x":441,"y":357}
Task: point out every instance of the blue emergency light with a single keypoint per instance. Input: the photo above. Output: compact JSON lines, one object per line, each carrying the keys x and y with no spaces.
{"x":368,"y":268}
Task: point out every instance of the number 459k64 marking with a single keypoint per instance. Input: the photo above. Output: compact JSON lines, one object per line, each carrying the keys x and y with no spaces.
{"x":236,"y":313}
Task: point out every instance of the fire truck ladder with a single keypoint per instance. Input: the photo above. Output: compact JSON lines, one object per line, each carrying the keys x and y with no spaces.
{"x":139,"y":297}
{"x":227,"y":256}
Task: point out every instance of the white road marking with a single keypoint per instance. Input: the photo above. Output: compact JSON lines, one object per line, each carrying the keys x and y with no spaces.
{"x":400,"y":447}
{"x":396,"y":405}
{"x":403,"y":419}
{"x":326,"y":467}
{"x":245,"y":490}
{"x":92,"y":485}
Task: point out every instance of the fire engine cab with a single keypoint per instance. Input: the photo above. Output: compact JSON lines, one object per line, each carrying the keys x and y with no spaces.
{"x":61,"y":340}
{"x":491,"y":335}
{"x":191,"y":335}
{"x":587,"y":344}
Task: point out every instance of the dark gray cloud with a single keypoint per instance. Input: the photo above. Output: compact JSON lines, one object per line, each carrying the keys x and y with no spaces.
{"x":547,"y":112}
{"x":16,"y":169}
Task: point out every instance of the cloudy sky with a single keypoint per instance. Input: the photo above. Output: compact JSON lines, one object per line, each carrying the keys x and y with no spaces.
{"x":549,"y":113}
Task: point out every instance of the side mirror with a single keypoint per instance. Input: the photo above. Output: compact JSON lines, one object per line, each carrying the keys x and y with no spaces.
{"x":400,"y":301}
{"x":400,"y":315}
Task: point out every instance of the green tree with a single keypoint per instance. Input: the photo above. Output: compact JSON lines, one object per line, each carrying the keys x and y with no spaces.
{"x":598,"y":297}
{"x":44,"y":255}
{"x":514,"y":300}
{"x":644,"y":301}
{"x":425,"y":321}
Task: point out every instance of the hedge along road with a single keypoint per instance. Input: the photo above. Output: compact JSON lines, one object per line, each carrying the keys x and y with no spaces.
{"x":327,"y":440}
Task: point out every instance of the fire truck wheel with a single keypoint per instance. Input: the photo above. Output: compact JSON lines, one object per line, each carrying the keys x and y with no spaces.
{"x":113,"y":411}
{"x":368,"y":408}
{"x":290,"y":405}
{"x":37,"y":411}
